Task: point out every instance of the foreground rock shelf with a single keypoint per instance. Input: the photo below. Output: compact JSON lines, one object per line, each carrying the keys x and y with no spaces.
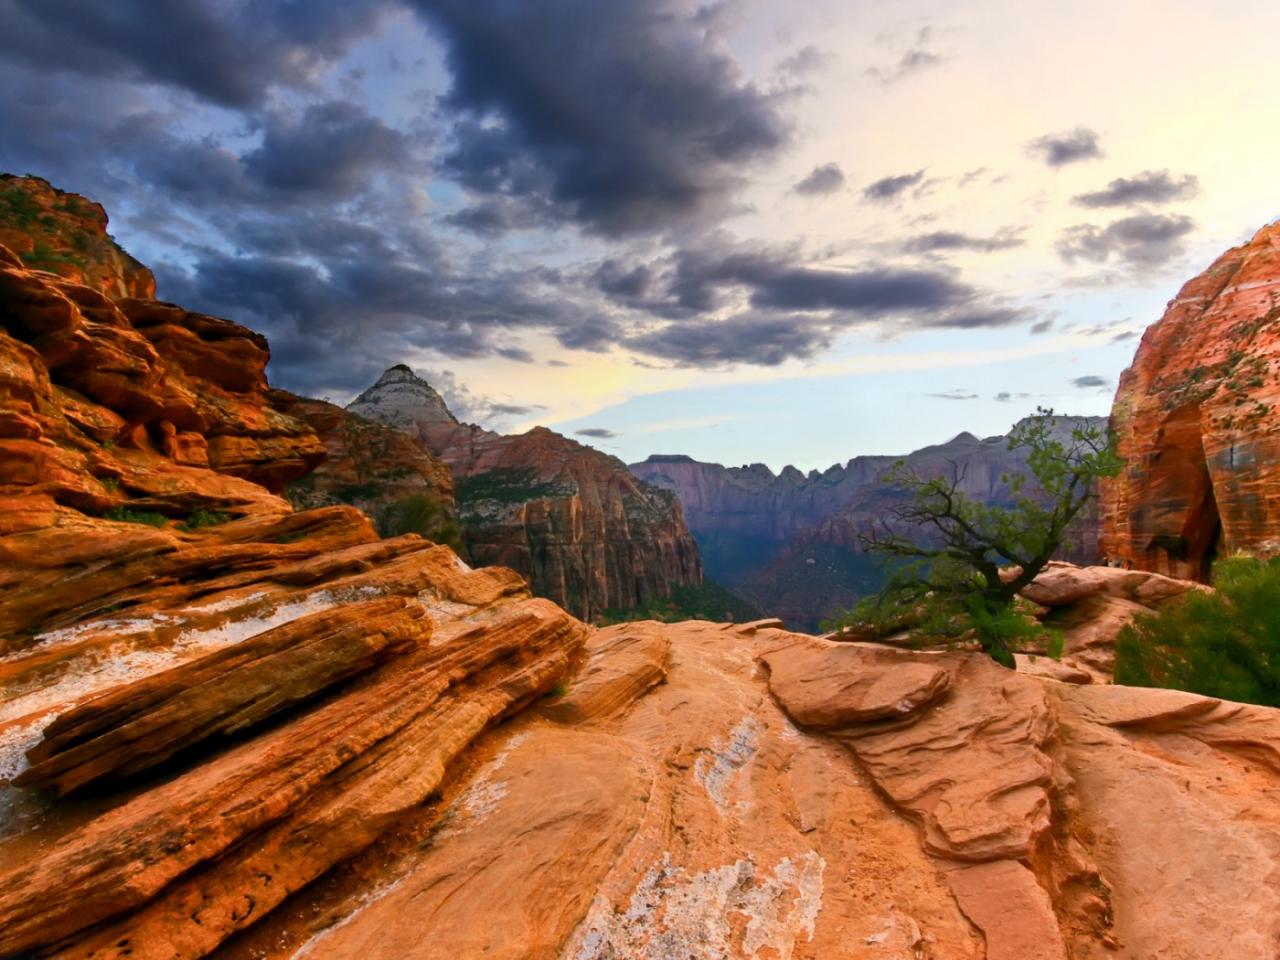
{"x":698,"y":790}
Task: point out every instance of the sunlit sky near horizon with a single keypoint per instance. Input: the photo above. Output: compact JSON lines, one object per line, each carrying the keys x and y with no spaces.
{"x":746,"y":231}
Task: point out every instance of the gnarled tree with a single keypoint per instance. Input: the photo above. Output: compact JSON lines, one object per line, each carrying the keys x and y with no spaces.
{"x":957,"y":564}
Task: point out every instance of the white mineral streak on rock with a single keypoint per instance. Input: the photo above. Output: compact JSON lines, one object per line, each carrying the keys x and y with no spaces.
{"x":674,"y":915}
{"x":717,"y":771}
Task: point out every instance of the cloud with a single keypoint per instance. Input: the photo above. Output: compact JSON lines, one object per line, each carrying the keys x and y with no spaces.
{"x":941,"y":241}
{"x":1090,"y":382}
{"x":596,"y":433}
{"x":822,"y":180}
{"x":1144,"y":240}
{"x":513,"y":409}
{"x":329,"y":150}
{"x":1006,"y":396}
{"x":954,"y":395}
{"x":1152,"y":186}
{"x":744,"y":305}
{"x":888,"y":188}
{"x":913,"y":60}
{"x":229,"y":53}
{"x":1073,"y":146}
{"x":803,"y":62}
{"x":1041,"y":326}
{"x":644,"y":125}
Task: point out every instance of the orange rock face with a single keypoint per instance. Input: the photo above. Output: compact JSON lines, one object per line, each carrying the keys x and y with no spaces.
{"x":1198,"y":425}
{"x":135,"y":404}
{"x":585,"y":532}
{"x":50,"y":229}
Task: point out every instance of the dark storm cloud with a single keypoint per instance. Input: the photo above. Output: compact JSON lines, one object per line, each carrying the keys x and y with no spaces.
{"x":294,"y":208}
{"x":942,"y":241}
{"x":330,"y":149}
{"x":1090,"y":382}
{"x":1151,"y":186}
{"x":1059,"y":149}
{"x":227,"y":53}
{"x":780,"y":308}
{"x":822,"y":180}
{"x":596,"y":433}
{"x":643,"y":125}
{"x":750,"y":338}
{"x":889,"y":188}
{"x":1144,"y":239}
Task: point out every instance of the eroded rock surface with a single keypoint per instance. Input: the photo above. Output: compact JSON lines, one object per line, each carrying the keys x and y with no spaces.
{"x":1197,"y":422}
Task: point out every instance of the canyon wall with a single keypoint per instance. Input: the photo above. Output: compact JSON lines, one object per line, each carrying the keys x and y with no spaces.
{"x":1197,"y":421}
{"x":790,"y":543}
{"x":584,"y":531}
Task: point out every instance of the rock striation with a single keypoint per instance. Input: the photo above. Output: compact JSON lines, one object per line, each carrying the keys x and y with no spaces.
{"x":1197,"y":422}
{"x":791,"y":544}
{"x":584,"y":531}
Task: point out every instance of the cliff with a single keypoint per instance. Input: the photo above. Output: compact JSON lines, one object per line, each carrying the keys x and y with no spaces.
{"x":790,"y":543}
{"x":50,"y":229}
{"x":377,"y":469}
{"x":574,"y":521}
{"x":1197,"y":422}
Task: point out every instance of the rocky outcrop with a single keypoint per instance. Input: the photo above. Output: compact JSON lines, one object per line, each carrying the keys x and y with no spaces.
{"x":63,"y":233}
{"x":702,"y":790}
{"x":376,"y":468}
{"x":791,"y":543}
{"x":584,"y":531}
{"x":136,"y":405}
{"x":209,"y":701}
{"x":1197,"y":422}
{"x":245,"y":726}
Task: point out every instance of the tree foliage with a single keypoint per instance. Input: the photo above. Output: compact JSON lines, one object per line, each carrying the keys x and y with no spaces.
{"x":956,"y":564}
{"x":1224,"y":643}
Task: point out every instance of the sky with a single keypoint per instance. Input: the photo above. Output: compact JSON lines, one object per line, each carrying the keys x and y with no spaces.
{"x":747,"y":231}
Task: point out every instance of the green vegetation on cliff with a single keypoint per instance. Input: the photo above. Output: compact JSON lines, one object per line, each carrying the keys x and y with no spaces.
{"x":703,"y":601}
{"x":1224,"y":643}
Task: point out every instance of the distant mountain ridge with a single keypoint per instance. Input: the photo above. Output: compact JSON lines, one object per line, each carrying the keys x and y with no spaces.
{"x":576,"y":522}
{"x":789,"y":542}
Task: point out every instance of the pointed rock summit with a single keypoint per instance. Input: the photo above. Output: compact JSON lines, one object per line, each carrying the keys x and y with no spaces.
{"x":572,"y":520}
{"x":402,"y":399}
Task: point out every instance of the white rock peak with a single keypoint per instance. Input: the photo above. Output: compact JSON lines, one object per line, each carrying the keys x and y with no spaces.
{"x":402,"y":399}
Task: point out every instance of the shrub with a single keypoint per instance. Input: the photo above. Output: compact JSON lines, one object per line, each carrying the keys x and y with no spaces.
{"x":148,"y":517}
{"x":1221,"y":644}
{"x":204,"y":518}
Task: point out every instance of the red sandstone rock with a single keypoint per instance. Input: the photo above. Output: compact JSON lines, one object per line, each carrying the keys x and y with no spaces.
{"x":1197,"y":423}
{"x":50,"y":229}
